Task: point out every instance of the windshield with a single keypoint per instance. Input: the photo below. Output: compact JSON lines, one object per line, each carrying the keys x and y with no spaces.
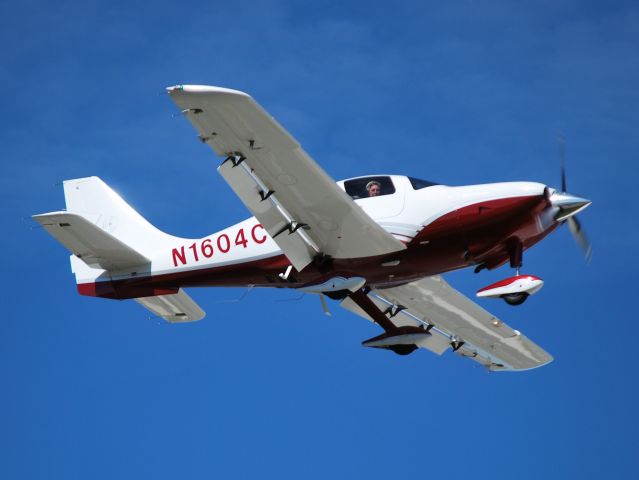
{"x":418,"y":184}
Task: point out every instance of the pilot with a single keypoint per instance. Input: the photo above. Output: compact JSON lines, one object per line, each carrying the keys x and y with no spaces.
{"x":374,"y":188}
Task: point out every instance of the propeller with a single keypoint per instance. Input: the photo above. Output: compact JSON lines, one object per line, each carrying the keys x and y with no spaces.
{"x":580,"y":237}
{"x":562,"y":156}
{"x":569,"y":205}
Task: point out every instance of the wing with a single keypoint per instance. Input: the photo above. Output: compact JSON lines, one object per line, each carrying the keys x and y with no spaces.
{"x":466,"y":327}
{"x":299,"y":205}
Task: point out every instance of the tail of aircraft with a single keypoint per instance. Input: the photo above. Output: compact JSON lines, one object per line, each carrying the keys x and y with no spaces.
{"x":101,"y":229}
{"x":93,"y":199}
{"x":109,"y":239}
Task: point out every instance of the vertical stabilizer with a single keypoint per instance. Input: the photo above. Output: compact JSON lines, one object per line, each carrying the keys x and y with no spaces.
{"x":94,"y":200}
{"x":106,"y":236}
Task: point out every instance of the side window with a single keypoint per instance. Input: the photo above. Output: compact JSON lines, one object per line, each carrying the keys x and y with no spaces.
{"x":369,"y":187}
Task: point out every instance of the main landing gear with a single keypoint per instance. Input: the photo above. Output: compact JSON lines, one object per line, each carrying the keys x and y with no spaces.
{"x":513,"y":290}
{"x":402,"y":340}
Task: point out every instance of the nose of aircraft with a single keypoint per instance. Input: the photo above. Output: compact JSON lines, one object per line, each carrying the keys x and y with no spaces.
{"x":568,"y":204}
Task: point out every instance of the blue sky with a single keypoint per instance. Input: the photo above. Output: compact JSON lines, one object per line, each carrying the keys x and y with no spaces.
{"x":456,"y":92}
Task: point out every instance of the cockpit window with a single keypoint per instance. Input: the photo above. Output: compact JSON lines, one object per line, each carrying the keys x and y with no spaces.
{"x":369,"y":187}
{"x":419,"y":184}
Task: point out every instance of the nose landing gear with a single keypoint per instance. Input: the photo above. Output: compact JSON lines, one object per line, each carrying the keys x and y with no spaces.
{"x":514,"y":290}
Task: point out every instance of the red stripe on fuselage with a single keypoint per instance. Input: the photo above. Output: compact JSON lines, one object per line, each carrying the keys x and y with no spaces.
{"x":467,"y":236}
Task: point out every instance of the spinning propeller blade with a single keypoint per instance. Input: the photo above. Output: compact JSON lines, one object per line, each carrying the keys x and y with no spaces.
{"x":580,"y":237}
{"x":569,"y":205}
{"x":562,"y":156}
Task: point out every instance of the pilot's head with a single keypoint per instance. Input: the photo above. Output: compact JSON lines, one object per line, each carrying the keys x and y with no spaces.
{"x":374,"y":188}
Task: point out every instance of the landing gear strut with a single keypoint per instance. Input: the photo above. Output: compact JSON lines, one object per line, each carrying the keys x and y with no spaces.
{"x":516,"y":261}
{"x":400,"y":340}
{"x":516,"y":252}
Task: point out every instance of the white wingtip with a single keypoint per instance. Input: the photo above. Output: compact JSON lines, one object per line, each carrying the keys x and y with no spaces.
{"x":204,"y":89}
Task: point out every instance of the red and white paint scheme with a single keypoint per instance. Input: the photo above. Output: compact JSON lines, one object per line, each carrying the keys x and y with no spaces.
{"x":381,"y":256}
{"x":513,"y":290}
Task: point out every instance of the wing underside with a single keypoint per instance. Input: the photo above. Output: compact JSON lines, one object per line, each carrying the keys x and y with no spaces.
{"x":456,"y":323}
{"x":299,"y":205}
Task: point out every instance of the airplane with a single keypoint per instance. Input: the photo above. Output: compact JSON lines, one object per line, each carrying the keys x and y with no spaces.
{"x":378,"y":244}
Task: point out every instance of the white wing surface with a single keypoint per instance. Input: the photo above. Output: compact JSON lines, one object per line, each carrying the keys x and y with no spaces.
{"x":477,"y":333}
{"x":299,"y":205}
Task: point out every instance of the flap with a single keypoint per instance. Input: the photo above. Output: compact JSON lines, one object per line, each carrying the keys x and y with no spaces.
{"x":174,"y":308}
{"x":233,"y":124}
{"x":297,"y":246}
{"x":89,"y":242}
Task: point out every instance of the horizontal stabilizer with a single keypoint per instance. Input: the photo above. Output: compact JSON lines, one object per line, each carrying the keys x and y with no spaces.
{"x":87,"y":241}
{"x":175,"y":308}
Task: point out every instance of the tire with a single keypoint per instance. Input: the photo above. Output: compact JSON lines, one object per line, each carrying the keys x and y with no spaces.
{"x":403,"y":349}
{"x":515,"y":299}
